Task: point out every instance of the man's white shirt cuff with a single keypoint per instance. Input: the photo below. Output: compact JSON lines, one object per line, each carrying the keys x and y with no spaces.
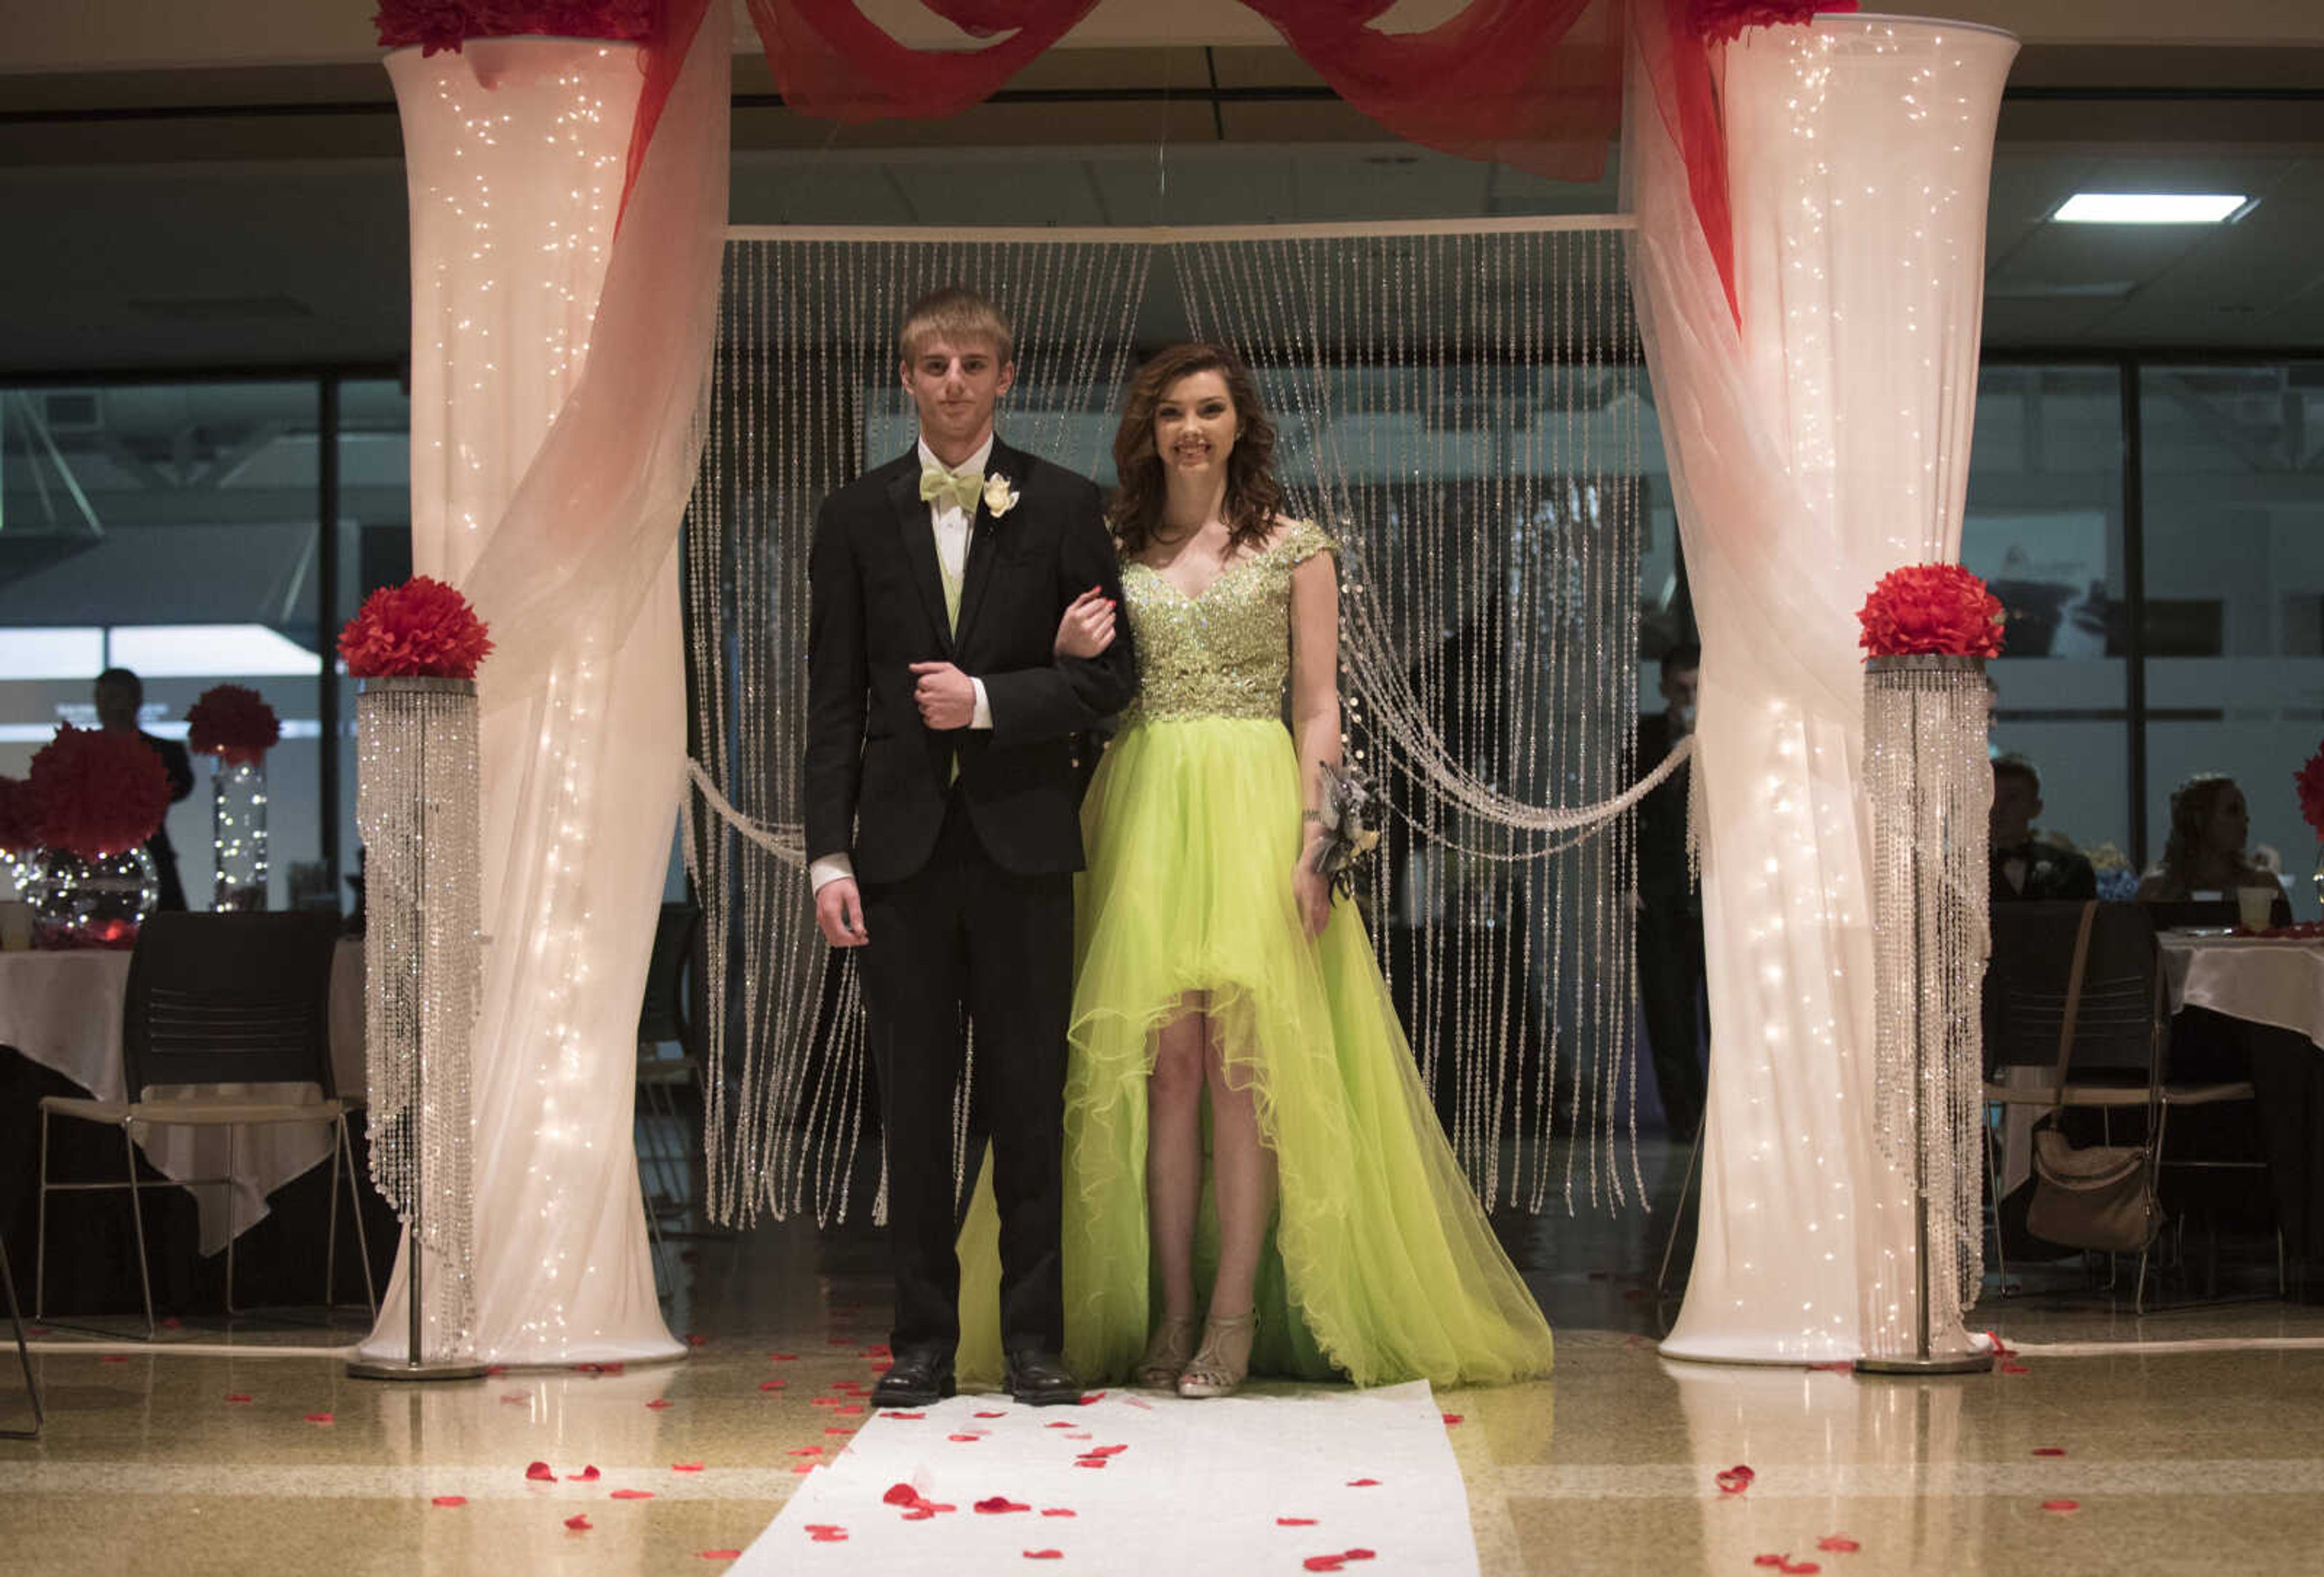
{"x":982,"y":716}
{"x":821,"y":874}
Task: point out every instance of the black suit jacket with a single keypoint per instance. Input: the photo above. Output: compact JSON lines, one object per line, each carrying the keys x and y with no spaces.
{"x":876,"y":777}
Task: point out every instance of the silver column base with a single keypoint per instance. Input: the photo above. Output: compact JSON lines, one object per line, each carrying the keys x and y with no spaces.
{"x":397,"y":1368}
{"x":1937,"y":1363}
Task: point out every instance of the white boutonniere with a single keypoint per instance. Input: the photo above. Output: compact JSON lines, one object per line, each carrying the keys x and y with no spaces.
{"x":1000,"y":498}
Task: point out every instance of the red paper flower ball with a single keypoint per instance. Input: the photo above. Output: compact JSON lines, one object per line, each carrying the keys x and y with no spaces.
{"x":98,"y":793}
{"x":1930,"y":608}
{"x":20,"y":819}
{"x":422,"y":628}
{"x":445,"y":24}
{"x":2310,"y":781}
{"x":233,"y":722}
{"x":1723,"y":21}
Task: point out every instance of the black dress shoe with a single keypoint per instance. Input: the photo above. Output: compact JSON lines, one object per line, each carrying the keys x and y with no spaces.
{"x":917,"y":1379}
{"x":1041,"y":1380}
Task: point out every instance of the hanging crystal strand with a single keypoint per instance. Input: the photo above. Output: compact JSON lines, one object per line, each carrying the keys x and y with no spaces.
{"x":417,"y":800}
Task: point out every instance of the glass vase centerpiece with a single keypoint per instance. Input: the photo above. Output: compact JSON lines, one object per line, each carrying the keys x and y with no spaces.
{"x":2308,"y":783}
{"x":235,"y":727}
{"x":93,"y":798}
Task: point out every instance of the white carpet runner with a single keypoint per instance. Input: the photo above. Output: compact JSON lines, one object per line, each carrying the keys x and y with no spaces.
{"x":1299,"y":1480}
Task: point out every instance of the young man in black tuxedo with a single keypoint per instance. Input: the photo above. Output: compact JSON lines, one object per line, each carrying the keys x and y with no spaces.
{"x":942,"y":810}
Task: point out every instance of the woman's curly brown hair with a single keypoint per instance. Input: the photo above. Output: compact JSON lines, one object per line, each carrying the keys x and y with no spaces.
{"x":1254,"y":499}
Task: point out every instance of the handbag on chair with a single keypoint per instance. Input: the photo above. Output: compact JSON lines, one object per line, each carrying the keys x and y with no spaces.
{"x":2088,"y":1196}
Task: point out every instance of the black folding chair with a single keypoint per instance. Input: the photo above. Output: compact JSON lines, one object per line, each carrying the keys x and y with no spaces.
{"x":218,"y":999}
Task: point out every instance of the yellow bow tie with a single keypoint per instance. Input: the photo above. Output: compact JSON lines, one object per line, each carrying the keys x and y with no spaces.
{"x":960,"y":489}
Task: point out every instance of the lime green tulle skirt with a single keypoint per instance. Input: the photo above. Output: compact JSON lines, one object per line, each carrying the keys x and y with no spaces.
{"x":1380,"y":1266}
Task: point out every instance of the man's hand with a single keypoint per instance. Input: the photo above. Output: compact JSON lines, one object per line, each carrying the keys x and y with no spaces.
{"x":839,"y":911}
{"x":945,"y":696}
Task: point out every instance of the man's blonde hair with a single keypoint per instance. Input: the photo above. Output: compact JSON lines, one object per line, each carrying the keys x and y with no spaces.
{"x":957,"y":314}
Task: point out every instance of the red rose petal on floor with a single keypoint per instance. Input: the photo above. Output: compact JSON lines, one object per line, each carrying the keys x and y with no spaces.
{"x":494,"y":1369}
{"x":659,"y":1402}
{"x":1295,"y":1522}
{"x":825,"y":1528}
{"x":319,"y":1418}
{"x":1801,"y":1567}
{"x":1838,"y":1544}
{"x":1452,"y":1418}
{"x":836,"y":1429}
{"x":2015,"y":1368}
{"x":993,"y":1505}
{"x":884,"y":1414}
{"x":1105,"y":1450}
{"x":773,"y":1385}
{"x":901,"y":1494}
{"x":920,"y":1514}
{"x":449,"y":1500}
{"x":577,"y":1524}
{"x":807,"y":1450}
{"x":38,"y":1330}
{"x":237,"y":1396}
{"x":1325,"y":1562}
{"x":1059,"y":1511}
{"x":855,"y":1410}
{"x":837,"y":1537}
{"x":693,"y":1340}
{"x":539,"y":1472}
{"x":1734,"y":1481}
{"x":782,"y":1357}
{"x":1089,"y":1462}
{"x":1059,"y":1424}
{"x":882,"y":1366}
{"x":807,"y":1467}
{"x":514,"y":1397}
{"x":963,"y":1437}
{"x":1841,"y":1367}
{"x":881,"y":1351}
{"x":1093,"y":1397}
{"x":2061,"y":1506}
{"x":1769,"y":1559}
{"x":599,"y":1368}
{"x":992,"y":1415}
{"x":1362,"y":1483}
{"x":2049,"y":1451}
{"x":113,"y":1358}
{"x":1045,"y":1554}
{"x":587,"y":1475}
{"x":632,"y":1495}
{"x":716,"y":1554}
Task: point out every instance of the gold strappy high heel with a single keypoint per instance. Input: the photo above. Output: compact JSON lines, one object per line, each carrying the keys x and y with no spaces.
{"x":1168,"y":1349}
{"x":1219,"y":1366}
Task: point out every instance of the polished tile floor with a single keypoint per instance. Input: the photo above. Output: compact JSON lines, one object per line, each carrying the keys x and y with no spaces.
{"x":2176,"y":1444}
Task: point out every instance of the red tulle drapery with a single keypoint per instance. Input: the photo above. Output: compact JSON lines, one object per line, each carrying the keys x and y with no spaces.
{"x":1532,"y":83}
{"x":832,"y":63}
{"x":676,"y":22}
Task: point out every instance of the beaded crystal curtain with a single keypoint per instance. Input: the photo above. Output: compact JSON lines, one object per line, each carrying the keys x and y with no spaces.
{"x":1461,"y":405}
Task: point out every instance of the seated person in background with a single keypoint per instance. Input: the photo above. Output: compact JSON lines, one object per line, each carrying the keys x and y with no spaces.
{"x":2025,"y":866}
{"x":2204,"y":853}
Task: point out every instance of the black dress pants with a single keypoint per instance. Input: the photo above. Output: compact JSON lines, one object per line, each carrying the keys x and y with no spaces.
{"x":1670,"y":979}
{"x":960,"y":937}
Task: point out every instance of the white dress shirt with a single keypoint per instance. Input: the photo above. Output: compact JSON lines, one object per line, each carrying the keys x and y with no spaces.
{"x":950,"y":526}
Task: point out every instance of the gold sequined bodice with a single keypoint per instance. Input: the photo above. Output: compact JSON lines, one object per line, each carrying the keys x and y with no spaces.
{"x":1226,"y":653}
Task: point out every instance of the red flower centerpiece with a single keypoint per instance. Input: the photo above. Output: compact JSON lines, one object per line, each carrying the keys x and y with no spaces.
{"x":233,"y":722}
{"x":2308,"y":782}
{"x":98,"y":793}
{"x":445,"y":24}
{"x":1927,"y":609}
{"x":422,"y":628}
{"x":95,"y":798}
{"x":1723,"y":21}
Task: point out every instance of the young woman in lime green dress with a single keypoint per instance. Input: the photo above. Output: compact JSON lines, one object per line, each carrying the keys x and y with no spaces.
{"x":1254,"y":1178}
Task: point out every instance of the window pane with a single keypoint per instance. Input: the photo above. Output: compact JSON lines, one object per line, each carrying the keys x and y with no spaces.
{"x":374,"y":533}
{"x":171,"y":528}
{"x":2235,"y":591}
{"x":2045,"y":528}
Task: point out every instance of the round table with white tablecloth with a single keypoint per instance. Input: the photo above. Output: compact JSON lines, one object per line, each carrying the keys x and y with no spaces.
{"x":63,"y":1010}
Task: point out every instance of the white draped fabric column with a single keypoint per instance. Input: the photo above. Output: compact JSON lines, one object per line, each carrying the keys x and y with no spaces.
{"x":1820,"y":444}
{"x":557,"y":370}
